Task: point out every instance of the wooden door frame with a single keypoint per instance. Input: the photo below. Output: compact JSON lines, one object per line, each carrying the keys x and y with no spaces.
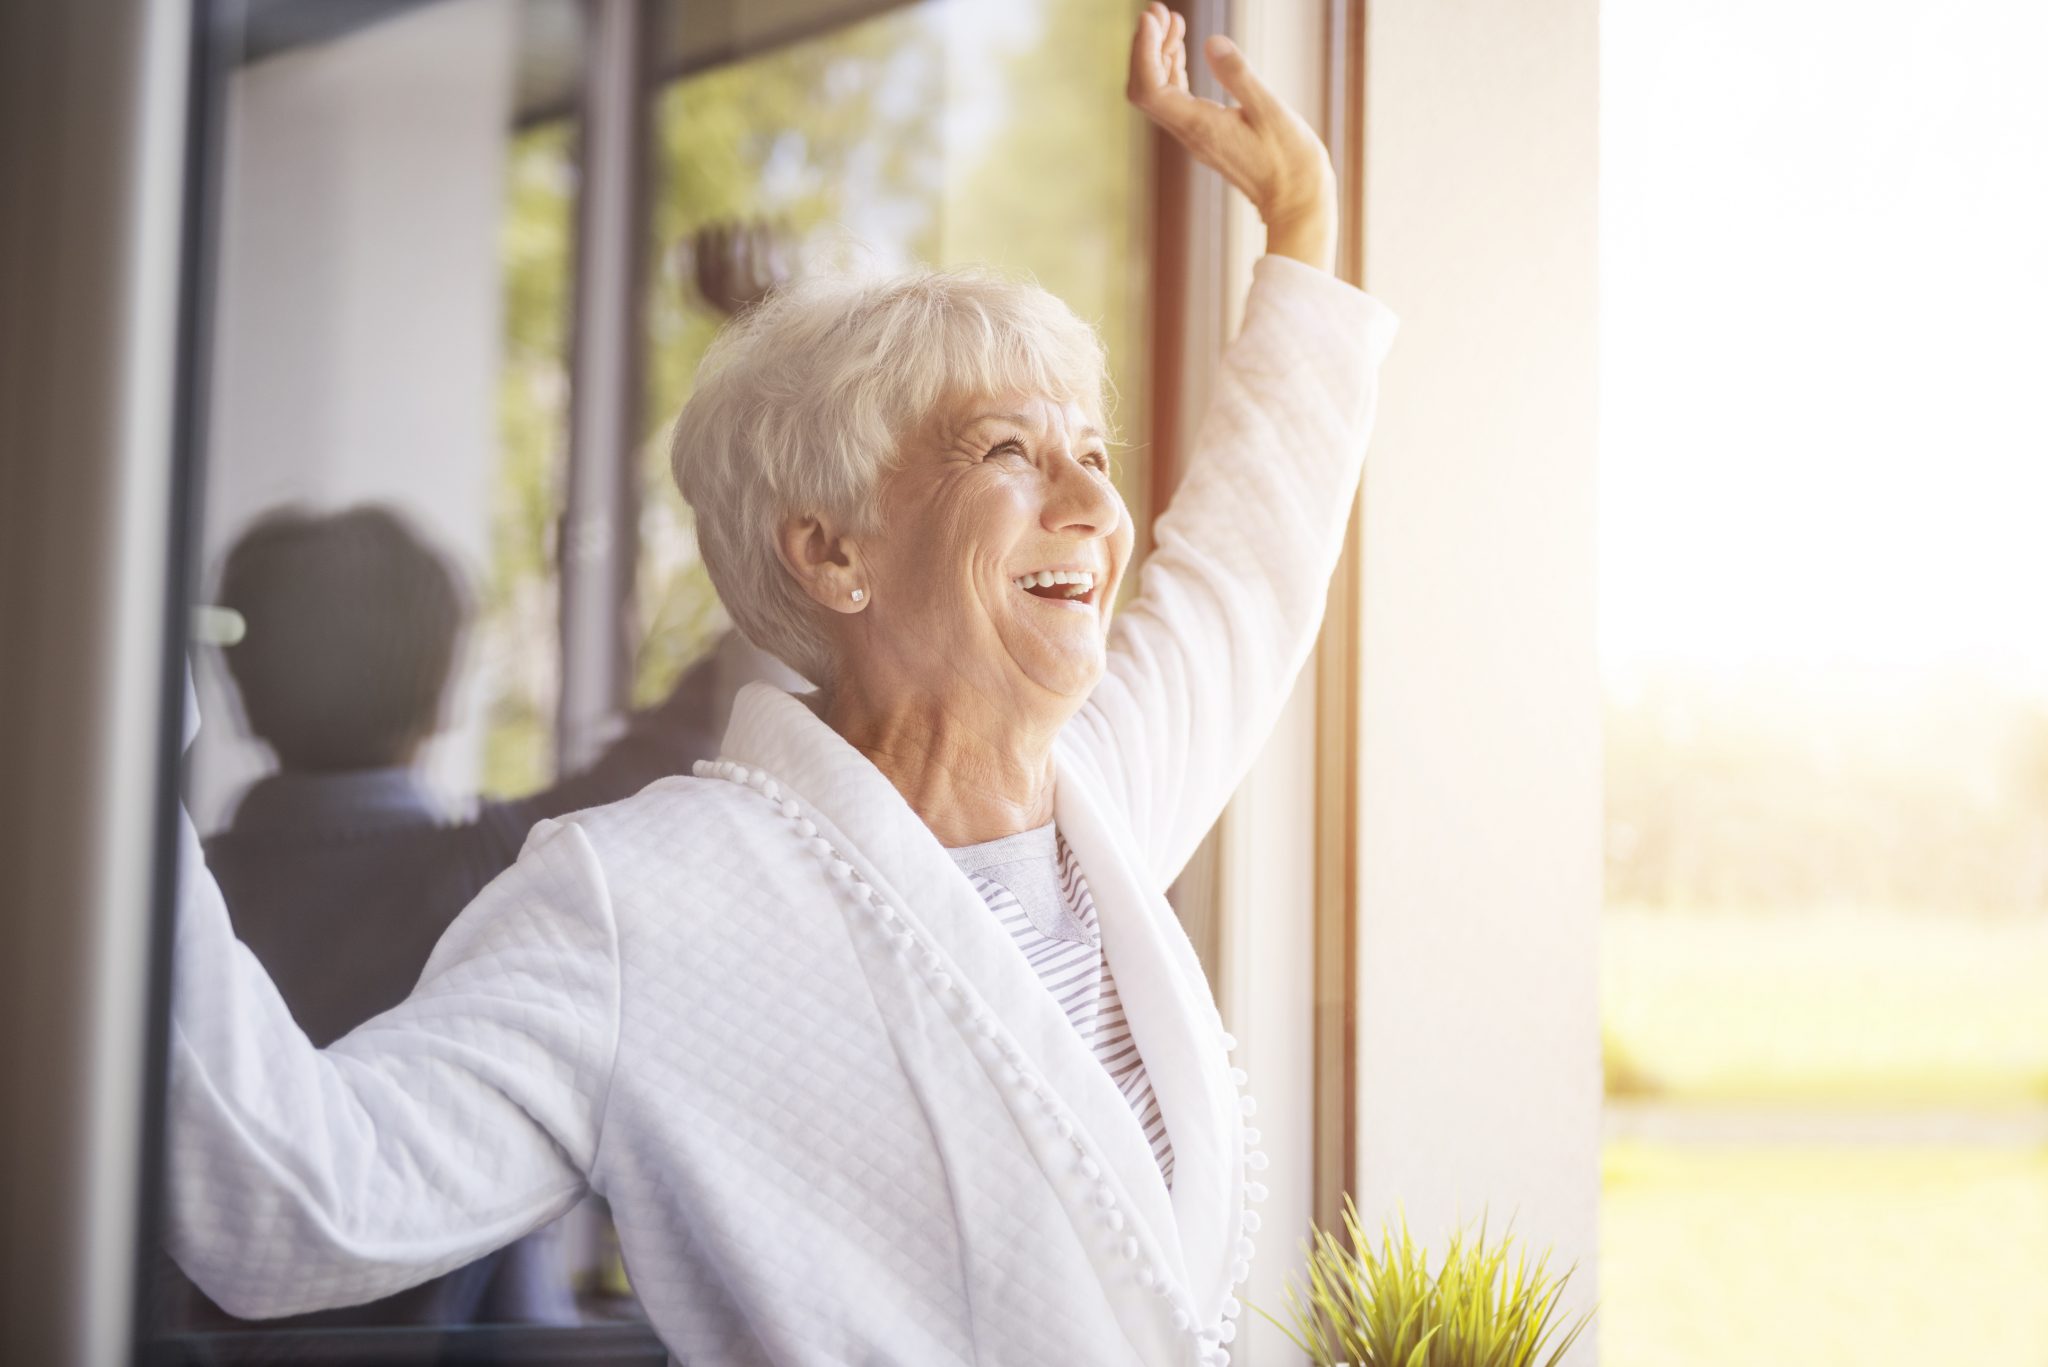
{"x":1186,"y":312}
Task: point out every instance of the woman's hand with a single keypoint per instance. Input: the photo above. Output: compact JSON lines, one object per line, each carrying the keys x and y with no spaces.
{"x":1259,"y":144}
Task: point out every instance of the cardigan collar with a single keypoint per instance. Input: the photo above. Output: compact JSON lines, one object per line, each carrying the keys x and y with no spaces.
{"x":863,"y":815}
{"x":1173,"y":1018}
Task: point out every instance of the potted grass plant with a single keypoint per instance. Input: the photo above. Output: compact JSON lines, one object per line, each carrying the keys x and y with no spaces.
{"x":1485,"y":1306}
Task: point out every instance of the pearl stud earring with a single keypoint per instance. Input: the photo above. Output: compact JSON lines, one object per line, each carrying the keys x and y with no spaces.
{"x":859,"y":594}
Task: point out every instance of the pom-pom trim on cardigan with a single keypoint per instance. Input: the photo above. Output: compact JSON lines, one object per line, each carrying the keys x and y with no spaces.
{"x":1017,"y":1073}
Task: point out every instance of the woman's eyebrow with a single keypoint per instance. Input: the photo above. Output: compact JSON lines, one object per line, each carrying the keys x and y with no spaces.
{"x":1087,"y":430}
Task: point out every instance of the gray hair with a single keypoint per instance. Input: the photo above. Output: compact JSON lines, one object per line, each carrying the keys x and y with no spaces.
{"x":801,"y":405}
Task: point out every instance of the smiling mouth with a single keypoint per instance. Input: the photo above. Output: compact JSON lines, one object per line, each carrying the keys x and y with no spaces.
{"x":1059,"y":586}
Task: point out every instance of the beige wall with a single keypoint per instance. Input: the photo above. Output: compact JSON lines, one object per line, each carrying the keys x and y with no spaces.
{"x":1480,"y":858}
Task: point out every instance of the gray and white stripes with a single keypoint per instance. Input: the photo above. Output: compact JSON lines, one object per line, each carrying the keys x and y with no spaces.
{"x":1034,"y":887}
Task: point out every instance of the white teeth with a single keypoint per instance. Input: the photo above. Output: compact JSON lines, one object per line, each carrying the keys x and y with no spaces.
{"x":1047,"y":578}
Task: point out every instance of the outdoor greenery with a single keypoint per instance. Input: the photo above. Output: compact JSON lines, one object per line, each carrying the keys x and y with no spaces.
{"x":517,"y":627}
{"x":1875,"y":1256}
{"x":1818,"y":789}
{"x":1383,"y":1307}
{"x":1826,"y":887}
{"x":1825,"y":896}
{"x":1871,"y":1008}
{"x":789,"y":136}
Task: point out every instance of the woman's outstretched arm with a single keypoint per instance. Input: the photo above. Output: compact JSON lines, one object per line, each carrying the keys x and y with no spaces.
{"x":461,"y":1119}
{"x":1229,"y":602}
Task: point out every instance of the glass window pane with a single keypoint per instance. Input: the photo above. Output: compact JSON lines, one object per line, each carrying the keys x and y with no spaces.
{"x":391,"y":393}
{"x":387,"y":390}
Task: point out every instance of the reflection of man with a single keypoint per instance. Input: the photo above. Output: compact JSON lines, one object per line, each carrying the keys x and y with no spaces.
{"x":340,"y":870}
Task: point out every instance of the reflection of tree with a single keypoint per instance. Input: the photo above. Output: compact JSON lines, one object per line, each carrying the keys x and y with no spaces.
{"x":1057,"y":189}
{"x":517,"y":630}
{"x":1774,"y":793}
{"x":834,"y":132}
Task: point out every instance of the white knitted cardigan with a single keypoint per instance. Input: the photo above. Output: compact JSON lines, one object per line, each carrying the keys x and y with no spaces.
{"x":837,"y":1117}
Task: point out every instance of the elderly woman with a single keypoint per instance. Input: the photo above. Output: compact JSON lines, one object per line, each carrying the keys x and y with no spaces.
{"x":878,"y":1034}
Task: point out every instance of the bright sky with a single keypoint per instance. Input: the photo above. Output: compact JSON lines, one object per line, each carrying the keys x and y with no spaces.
{"x":1825,"y":332}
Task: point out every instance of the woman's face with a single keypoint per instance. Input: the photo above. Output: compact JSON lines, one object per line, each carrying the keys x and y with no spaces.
{"x":989,"y":499}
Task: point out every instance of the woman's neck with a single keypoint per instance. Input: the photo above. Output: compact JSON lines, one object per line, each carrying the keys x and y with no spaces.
{"x":971,"y":773}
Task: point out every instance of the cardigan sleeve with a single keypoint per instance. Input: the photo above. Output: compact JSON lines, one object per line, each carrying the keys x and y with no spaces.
{"x":1228,"y":604}
{"x":459,"y":1120}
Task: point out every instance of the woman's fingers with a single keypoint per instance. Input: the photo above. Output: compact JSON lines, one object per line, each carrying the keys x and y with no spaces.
{"x":1259,"y":144}
{"x":1158,"y":56}
{"x":1159,"y":82}
{"x":1234,"y":73}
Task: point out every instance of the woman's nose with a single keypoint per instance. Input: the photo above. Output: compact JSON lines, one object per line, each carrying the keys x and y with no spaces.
{"x":1079,"y":501}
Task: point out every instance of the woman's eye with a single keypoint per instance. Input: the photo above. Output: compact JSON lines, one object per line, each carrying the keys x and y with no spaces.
{"x":1098,"y":459}
{"x":1010,"y":446}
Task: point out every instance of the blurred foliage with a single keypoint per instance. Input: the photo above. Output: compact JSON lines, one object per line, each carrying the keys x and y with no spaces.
{"x":1060,"y":190}
{"x":1837,"y":790}
{"x":517,"y":627}
{"x":1825,"y":887}
{"x":1787,"y":1007}
{"x":791,"y":135}
{"x":1877,"y":1256}
{"x":1623,"y":1074}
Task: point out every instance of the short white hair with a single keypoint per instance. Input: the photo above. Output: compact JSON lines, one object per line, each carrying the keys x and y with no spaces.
{"x":801,"y":405}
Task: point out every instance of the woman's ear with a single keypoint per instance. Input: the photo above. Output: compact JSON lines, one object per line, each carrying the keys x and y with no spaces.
{"x":825,"y":563}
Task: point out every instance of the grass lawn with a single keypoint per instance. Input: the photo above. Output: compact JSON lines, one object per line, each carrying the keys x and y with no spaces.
{"x":1810,"y":1258}
{"x":1886,"y":1008}
{"x":1864,"y":1254}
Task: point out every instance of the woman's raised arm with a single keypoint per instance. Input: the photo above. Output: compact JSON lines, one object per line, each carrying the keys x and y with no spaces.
{"x":1229,"y":602}
{"x":452,"y":1124}
{"x":1260,"y":144}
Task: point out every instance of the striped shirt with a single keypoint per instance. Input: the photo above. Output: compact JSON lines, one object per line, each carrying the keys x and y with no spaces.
{"x":1034,"y":885}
